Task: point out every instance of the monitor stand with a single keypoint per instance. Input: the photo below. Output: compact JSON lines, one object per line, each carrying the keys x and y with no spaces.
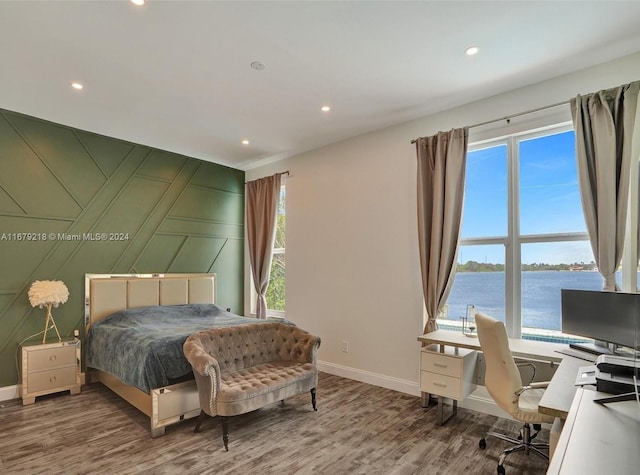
{"x":631,"y":396}
{"x":590,"y":348}
{"x":617,"y":398}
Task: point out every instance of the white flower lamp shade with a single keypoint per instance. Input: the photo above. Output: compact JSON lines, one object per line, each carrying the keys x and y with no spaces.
{"x":48,"y":293}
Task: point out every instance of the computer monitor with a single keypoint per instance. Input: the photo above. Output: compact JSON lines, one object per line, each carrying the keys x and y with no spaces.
{"x":612,"y":317}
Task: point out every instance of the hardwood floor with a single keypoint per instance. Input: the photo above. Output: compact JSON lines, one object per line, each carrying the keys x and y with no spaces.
{"x":358,"y":429}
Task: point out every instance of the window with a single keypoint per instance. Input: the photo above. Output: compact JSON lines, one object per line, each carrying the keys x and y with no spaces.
{"x":523,"y":235}
{"x":276,"y":290}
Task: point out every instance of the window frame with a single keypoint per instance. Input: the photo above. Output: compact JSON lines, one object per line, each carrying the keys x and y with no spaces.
{"x":513,"y":241}
{"x":280,"y":250}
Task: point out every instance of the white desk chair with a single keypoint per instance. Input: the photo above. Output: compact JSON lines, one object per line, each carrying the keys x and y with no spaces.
{"x":503,"y":381}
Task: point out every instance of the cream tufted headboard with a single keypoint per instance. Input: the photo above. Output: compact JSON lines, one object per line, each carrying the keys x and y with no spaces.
{"x":107,"y":293}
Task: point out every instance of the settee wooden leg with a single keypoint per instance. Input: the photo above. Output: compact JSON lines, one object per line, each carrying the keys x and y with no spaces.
{"x":225,"y":432}
{"x":201,"y":418}
{"x":313,"y":399}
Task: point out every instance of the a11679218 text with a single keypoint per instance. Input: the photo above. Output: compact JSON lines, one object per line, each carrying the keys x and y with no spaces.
{"x":40,"y":236}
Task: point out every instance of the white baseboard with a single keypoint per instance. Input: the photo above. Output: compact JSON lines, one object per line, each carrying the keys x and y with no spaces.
{"x":400,"y":385}
{"x":479,"y":400}
{"x":9,"y":392}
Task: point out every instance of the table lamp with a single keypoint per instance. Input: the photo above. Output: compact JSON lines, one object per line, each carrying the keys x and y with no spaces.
{"x":48,"y":293}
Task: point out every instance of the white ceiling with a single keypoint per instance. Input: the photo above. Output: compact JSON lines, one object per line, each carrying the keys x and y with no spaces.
{"x":176,"y":75}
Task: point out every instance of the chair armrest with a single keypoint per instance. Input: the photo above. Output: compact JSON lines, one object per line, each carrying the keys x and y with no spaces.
{"x":533,"y":366}
{"x":199,"y":359}
{"x":206,"y":371}
{"x":310,"y":354}
{"x":538,"y":385}
{"x":301,"y":346}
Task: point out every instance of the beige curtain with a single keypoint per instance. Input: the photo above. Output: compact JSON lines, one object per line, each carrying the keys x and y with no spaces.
{"x":603,"y":123}
{"x":262,"y":211}
{"x":441,"y":171}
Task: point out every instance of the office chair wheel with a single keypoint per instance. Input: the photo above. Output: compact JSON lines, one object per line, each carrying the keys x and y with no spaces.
{"x":482,"y":444}
{"x":501,"y":470}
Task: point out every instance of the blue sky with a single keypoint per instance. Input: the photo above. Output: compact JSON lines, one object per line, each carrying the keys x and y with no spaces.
{"x":549,"y":200}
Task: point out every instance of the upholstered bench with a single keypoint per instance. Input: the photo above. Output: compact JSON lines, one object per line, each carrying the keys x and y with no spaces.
{"x":243,"y":368}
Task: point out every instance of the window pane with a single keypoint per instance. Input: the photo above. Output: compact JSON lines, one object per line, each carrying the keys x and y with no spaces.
{"x":280,"y":234}
{"x":549,"y":193}
{"x":276,"y":290}
{"x":485,"y":199}
{"x":547,"y":268}
{"x":479,"y":281}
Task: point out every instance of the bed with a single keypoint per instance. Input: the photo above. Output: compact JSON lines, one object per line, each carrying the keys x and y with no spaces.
{"x":143,"y":320}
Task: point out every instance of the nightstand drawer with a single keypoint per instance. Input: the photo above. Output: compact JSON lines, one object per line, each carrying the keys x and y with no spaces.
{"x":441,"y":363}
{"x":445,"y":386}
{"x":48,"y":358}
{"x":51,"y":379}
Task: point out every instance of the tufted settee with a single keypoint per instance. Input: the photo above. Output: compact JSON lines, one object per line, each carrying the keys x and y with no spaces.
{"x":243,"y":368}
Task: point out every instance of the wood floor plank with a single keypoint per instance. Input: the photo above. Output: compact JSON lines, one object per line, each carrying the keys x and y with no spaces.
{"x":358,"y":429}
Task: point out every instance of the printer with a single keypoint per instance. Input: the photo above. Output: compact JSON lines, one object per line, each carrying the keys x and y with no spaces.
{"x":615,"y":374}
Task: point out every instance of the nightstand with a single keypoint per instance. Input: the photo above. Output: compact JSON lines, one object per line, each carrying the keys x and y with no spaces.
{"x":50,"y":368}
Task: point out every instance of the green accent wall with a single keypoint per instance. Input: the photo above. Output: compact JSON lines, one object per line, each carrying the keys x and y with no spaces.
{"x":59,"y":184}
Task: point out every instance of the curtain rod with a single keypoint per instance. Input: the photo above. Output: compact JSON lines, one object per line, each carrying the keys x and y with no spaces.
{"x":286,"y":172}
{"x":509,"y":117}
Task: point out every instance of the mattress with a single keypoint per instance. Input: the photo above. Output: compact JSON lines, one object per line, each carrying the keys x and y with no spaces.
{"x":142,"y":347}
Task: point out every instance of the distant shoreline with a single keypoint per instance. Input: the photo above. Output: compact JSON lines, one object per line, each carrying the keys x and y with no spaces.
{"x":527,"y":270}
{"x":474,"y":266}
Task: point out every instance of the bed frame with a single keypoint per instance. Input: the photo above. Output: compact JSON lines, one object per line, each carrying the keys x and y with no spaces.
{"x":107,"y":293}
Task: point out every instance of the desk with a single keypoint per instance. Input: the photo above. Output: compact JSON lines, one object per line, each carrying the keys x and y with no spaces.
{"x":558,"y":396}
{"x":595,"y":439}
{"x":598,"y":439}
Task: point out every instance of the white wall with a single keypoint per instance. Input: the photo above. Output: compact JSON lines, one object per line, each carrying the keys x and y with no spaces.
{"x":352,"y":258}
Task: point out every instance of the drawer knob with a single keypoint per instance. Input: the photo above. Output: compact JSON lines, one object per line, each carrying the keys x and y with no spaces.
{"x":439,"y":384}
{"x":52,"y":379}
{"x":440,"y":365}
{"x":52,"y":358}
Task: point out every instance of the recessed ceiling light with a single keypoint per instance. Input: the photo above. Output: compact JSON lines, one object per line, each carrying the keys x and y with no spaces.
{"x":471,"y":50}
{"x":138,"y":2}
{"x":245,"y":142}
{"x":257,"y":65}
{"x":77,"y":85}
{"x":325,"y":108}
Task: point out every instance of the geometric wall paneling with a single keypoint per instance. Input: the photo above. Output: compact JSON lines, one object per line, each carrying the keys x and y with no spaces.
{"x":107,"y":153}
{"x":159,"y":212}
{"x":198,"y":252}
{"x":5,"y":298}
{"x":139,"y":240}
{"x":22,"y":169}
{"x":159,"y":252}
{"x":162,"y":165}
{"x":225,"y":264}
{"x":20,"y":256}
{"x":134,"y":203}
{"x":173,"y":225}
{"x":62,"y":153}
{"x":190,"y":204}
{"x":8,"y":204}
{"x":220,"y":178}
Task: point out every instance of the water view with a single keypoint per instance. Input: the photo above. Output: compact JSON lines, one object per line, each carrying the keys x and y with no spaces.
{"x":541,"y":306}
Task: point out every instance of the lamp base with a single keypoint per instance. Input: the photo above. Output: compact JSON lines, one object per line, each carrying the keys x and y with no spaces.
{"x":49,"y":324}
